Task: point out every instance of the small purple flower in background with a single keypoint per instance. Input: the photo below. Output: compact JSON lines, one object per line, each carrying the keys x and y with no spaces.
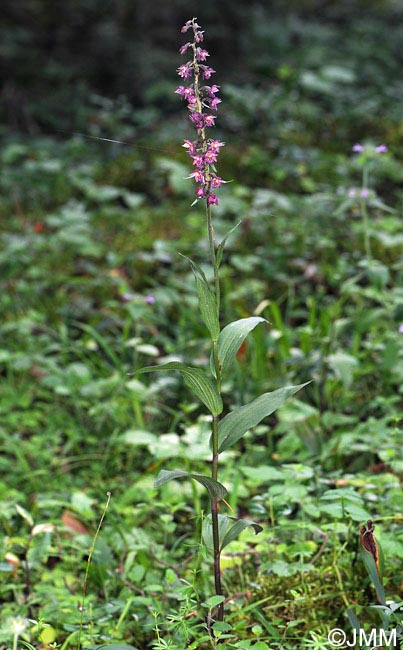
{"x":359,"y":148}
{"x":401,"y":328}
{"x":150,"y":299}
{"x":201,"y":101}
{"x":352,"y":193}
{"x":127,"y":296}
{"x":364,"y":194}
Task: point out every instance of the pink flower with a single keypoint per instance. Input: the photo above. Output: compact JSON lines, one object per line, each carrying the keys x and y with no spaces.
{"x":382,"y":148}
{"x":210,"y":157}
{"x":214,"y":103}
{"x":209,"y":120}
{"x":150,"y":299}
{"x":198,"y":160}
{"x":185,"y":71}
{"x":216,"y":181}
{"x":364,"y":193}
{"x":207,"y":72}
{"x":401,"y":328}
{"x":201,"y":55}
{"x":358,"y":148}
{"x":198,"y":176}
{"x":212,"y":199}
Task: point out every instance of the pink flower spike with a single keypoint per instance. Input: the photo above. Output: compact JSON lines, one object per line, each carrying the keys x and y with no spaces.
{"x":358,"y":148}
{"x":382,"y":148}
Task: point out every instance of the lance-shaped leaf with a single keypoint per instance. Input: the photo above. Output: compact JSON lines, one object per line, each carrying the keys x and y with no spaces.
{"x":232,"y":337}
{"x":215,"y":489}
{"x":220,"y":247}
{"x":207,"y":301}
{"x":236,"y":424}
{"x":372,"y":570}
{"x":236,"y":529}
{"x":229,"y":529}
{"x":196,"y":379}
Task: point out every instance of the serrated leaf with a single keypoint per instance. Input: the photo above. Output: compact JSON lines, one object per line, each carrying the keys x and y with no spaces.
{"x":215,"y":489}
{"x":207,"y":300}
{"x":236,"y":424}
{"x":232,"y":337}
{"x":196,"y":379}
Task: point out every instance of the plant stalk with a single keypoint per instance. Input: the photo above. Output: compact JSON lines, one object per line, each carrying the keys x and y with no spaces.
{"x":214,"y":468}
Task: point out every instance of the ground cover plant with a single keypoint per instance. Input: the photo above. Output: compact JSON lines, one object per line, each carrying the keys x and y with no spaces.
{"x":93,"y":288}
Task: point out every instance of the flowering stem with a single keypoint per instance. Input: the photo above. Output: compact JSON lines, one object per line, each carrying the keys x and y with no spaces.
{"x":202,"y":103}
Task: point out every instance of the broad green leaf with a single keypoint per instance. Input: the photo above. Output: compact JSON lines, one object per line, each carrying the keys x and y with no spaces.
{"x":213,"y":601}
{"x":232,"y":337}
{"x":236,"y":529}
{"x":196,"y":379}
{"x":221,"y":245}
{"x":228,"y":531}
{"x":207,"y":301}
{"x":215,"y":489}
{"x":236,"y":424}
{"x":370,"y":566}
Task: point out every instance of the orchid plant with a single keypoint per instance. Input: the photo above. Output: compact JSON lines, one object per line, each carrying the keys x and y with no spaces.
{"x":218,"y":529}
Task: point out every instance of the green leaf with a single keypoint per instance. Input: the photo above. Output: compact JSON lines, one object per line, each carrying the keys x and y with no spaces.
{"x":236,"y":530}
{"x":228,"y":531}
{"x":115,"y":646}
{"x":236,"y":424}
{"x":232,"y":337}
{"x":215,"y":489}
{"x":196,"y":379}
{"x":221,"y":245}
{"x":207,"y":301}
{"x":213,"y":601}
{"x":370,"y":566}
